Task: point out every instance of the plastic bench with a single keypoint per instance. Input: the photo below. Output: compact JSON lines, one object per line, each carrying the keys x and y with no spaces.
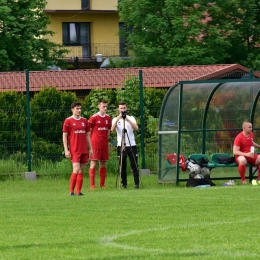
{"x":214,"y":159}
{"x":168,"y":166}
{"x":213,"y":163}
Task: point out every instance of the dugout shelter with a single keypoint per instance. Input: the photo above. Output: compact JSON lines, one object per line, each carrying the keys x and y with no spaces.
{"x":204,"y":117}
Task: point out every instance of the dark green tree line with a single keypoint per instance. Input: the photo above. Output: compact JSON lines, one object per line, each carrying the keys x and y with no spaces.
{"x":23,"y":31}
{"x":49,"y":108}
{"x":184,"y":32}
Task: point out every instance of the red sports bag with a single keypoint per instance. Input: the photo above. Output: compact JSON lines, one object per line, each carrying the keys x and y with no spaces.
{"x":171,"y":158}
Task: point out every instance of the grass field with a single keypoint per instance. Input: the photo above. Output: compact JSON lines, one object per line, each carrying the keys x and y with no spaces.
{"x":39,"y":220}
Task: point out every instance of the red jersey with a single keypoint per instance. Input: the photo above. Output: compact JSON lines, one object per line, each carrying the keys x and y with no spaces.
{"x":244,"y":142}
{"x":100,"y":126}
{"x":77,"y":129}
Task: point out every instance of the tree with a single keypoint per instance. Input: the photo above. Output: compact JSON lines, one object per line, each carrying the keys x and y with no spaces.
{"x":181,"y":32}
{"x":90,"y":103}
{"x":49,"y":108}
{"x":241,"y":31}
{"x":23,"y":28}
{"x":12,"y":123}
{"x":131,"y":95}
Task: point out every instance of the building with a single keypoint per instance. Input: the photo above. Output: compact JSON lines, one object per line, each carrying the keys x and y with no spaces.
{"x":86,"y":28}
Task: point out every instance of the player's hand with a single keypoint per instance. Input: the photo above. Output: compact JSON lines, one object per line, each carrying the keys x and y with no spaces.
{"x":67,"y":154}
{"x":90,"y":153}
{"x":251,"y":155}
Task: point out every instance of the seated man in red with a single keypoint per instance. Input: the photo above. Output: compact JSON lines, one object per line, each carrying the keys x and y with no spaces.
{"x":243,"y":150}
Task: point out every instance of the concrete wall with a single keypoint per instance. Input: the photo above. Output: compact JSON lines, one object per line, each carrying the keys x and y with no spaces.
{"x":76,"y":5}
{"x":103,"y":26}
{"x":103,"y":4}
{"x":63,"y":5}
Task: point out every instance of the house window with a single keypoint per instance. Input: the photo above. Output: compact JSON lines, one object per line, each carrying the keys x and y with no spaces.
{"x":77,"y":34}
{"x":84,"y":4}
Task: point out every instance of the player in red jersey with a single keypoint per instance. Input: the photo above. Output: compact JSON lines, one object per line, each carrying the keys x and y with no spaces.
{"x":243,"y":151}
{"x":100,"y":125}
{"x":76,"y":140}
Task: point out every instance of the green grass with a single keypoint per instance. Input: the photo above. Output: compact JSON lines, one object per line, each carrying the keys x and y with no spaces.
{"x":39,"y":220}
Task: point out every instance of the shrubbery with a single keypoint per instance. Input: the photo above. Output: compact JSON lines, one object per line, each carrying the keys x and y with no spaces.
{"x":50,"y":107}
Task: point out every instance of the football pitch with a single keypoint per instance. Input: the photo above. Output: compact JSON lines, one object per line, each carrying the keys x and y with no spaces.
{"x":39,"y":220}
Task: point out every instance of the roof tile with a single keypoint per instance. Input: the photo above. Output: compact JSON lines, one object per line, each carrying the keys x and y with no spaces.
{"x":113,"y":78}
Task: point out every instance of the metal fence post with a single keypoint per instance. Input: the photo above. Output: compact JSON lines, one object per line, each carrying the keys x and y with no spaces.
{"x":142,"y":117}
{"x":28,"y":124}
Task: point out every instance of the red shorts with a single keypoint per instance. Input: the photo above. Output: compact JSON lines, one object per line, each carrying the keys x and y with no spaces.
{"x":100,"y":155}
{"x":248,"y":159}
{"x":80,"y":158}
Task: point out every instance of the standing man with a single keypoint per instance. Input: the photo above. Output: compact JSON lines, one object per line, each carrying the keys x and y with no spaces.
{"x":243,"y":150}
{"x":100,"y":125}
{"x":76,"y":140}
{"x":125,"y":126}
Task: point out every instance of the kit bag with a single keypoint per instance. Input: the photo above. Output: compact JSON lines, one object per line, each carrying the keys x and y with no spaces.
{"x":226,"y":160}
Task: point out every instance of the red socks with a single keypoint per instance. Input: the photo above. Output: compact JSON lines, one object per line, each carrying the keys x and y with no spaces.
{"x":102,"y":173}
{"x":242,"y":171}
{"x":73,"y":180}
{"x":92,"y":173}
{"x":79,"y":183}
{"x":76,"y":180}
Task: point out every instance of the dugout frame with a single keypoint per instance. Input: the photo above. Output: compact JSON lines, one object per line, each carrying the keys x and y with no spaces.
{"x":204,"y":117}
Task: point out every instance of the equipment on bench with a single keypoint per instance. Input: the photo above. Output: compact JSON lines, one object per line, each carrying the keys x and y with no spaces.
{"x":171,"y":158}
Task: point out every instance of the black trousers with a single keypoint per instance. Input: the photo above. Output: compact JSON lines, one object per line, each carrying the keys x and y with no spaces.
{"x":131,"y":152}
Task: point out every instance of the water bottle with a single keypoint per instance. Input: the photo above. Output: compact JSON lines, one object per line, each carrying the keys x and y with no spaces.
{"x":252,"y":149}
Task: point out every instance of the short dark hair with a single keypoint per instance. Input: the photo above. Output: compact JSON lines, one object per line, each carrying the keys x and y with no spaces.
{"x":121,"y":103}
{"x":75,"y":104}
{"x":102,"y":101}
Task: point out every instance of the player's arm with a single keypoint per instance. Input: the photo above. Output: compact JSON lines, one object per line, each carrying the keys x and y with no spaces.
{"x":89,"y":144}
{"x":236,"y":151}
{"x":256,"y":145}
{"x":91,"y":125}
{"x":65,"y":144}
{"x":132,"y":122}
{"x":114,"y":122}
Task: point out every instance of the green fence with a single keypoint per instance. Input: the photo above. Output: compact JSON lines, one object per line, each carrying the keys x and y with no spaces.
{"x":33,"y":107}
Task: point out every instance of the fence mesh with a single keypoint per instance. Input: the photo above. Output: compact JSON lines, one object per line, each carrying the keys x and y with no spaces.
{"x":46,"y":96}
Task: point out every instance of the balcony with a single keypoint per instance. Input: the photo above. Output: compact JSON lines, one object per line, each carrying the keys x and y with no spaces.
{"x":88,"y":51}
